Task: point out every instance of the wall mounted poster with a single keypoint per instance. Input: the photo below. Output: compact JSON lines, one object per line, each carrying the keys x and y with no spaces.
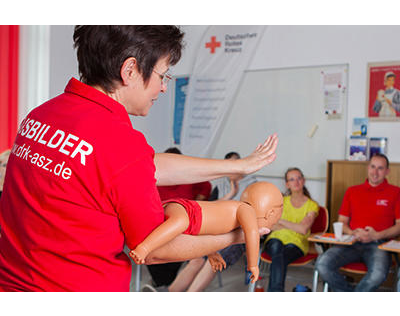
{"x":224,"y":53}
{"x":334,"y":82}
{"x":383,"y":91}
{"x":181,"y":85}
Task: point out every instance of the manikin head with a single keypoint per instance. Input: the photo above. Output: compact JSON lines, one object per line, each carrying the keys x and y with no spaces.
{"x":267,"y":201}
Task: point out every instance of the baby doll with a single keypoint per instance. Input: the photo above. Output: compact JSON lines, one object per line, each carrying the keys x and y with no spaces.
{"x":260,"y":205}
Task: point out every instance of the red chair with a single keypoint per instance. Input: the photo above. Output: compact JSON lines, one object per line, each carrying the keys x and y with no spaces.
{"x":359,"y":268}
{"x":320,"y":225}
{"x":355,"y":267}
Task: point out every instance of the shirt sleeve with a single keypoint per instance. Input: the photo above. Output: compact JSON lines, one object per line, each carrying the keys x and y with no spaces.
{"x":314,"y":207}
{"x":136,"y":201}
{"x":131,"y":186}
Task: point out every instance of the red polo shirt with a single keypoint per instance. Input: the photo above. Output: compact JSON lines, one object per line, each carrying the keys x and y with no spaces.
{"x":378,"y":207}
{"x":80,"y":184}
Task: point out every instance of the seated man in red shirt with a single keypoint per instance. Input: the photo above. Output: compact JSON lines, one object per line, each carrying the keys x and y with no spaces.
{"x":371,"y":213}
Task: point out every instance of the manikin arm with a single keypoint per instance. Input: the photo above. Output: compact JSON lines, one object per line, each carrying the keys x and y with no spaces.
{"x":246,"y":216}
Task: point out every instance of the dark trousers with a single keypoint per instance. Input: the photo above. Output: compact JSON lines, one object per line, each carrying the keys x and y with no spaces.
{"x":164,"y":274}
{"x":281,"y":256}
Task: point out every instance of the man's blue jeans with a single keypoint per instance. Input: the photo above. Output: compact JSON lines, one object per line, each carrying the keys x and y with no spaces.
{"x":377,"y":261}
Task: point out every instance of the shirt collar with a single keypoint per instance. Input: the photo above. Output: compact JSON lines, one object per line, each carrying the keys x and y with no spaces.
{"x":85,"y":91}
{"x":379,"y":187}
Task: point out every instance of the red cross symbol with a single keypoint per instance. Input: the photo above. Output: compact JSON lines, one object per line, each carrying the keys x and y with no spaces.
{"x":213,"y":44}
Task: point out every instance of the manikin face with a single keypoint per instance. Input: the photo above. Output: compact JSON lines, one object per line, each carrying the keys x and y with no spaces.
{"x":267,"y":201}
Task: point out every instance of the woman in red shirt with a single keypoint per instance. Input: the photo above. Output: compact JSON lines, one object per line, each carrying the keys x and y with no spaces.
{"x":81,"y":182}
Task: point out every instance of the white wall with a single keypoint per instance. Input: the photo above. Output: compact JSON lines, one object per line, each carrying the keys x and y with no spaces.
{"x":34,"y":67}
{"x":63,"y":62}
{"x":299,"y":46}
{"x":281,"y":47}
{"x":290,"y":46}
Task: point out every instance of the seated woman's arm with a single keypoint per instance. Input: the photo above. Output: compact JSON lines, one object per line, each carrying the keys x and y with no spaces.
{"x":303,"y":226}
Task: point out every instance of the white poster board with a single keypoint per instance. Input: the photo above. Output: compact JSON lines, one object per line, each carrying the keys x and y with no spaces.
{"x":288,"y":101}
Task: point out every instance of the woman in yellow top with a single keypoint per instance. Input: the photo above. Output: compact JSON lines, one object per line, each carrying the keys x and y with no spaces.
{"x":288,"y":240}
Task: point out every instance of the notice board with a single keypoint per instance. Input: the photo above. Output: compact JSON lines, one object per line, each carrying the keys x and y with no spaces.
{"x":291,"y":102}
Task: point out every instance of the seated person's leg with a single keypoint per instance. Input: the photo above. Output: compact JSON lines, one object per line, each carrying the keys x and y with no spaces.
{"x":274,"y":248}
{"x":164,"y":274}
{"x":187,"y":275}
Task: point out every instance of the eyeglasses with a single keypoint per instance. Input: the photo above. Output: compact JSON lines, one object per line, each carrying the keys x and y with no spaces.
{"x":165,"y":78}
{"x":294,"y":179}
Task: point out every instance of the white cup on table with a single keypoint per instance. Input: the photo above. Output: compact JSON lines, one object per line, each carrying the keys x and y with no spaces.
{"x":338,"y":229}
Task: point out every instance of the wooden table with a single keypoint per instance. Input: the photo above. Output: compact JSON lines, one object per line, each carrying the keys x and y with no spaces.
{"x":329,"y":238}
{"x":391,"y":245}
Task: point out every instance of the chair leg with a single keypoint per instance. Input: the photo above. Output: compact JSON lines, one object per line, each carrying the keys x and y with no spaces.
{"x":138,"y":277}
{"x":219,"y":278}
{"x":315,"y":281}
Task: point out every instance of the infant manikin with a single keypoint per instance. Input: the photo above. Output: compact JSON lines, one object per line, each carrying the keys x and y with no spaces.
{"x":260,"y":205}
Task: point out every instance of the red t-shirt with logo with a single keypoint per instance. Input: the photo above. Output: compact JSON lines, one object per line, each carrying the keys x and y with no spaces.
{"x":378,"y":207}
{"x":80,"y":185}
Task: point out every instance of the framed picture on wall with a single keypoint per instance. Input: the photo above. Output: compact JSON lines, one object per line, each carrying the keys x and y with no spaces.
{"x":383,"y":91}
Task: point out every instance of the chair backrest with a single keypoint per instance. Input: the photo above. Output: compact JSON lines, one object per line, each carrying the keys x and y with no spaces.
{"x":321,"y":222}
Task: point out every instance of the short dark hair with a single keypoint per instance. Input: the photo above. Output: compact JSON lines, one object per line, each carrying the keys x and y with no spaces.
{"x":102,"y":49}
{"x":231,"y":154}
{"x":173,"y":150}
{"x":382,"y":156}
